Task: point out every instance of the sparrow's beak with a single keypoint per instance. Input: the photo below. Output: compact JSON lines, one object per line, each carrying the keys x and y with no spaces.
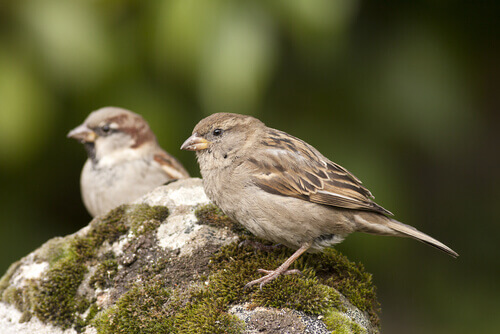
{"x":83,"y":134}
{"x":195,"y":143}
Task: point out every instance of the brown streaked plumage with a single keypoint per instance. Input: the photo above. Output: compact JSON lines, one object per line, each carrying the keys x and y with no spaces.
{"x":124,"y":159}
{"x":315,"y":178}
{"x":284,"y":190}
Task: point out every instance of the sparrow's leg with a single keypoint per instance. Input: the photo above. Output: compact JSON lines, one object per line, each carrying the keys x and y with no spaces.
{"x":259,"y":246}
{"x":281,"y":270}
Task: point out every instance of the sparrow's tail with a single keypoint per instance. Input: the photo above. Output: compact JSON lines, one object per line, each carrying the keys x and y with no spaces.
{"x":388,"y":226}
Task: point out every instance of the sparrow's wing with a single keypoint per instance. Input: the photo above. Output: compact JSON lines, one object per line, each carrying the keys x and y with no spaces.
{"x":171,"y":166}
{"x":288,"y":166}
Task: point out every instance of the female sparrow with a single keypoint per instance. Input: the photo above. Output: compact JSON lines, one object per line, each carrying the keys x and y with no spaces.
{"x":284,"y":190}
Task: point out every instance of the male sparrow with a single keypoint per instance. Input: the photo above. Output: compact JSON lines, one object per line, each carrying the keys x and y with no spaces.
{"x":284,"y":190}
{"x":124,"y":159}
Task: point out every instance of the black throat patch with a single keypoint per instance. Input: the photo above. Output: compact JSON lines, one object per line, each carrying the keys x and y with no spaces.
{"x":90,"y":148}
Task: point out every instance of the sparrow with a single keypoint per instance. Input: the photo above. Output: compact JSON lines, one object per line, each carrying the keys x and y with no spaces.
{"x":124,"y":161}
{"x":284,"y":190}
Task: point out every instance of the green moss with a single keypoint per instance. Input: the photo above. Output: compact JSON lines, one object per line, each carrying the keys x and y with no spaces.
{"x":54,"y":297}
{"x":144,"y":218}
{"x":25,"y":317}
{"x":106,"y":270}
{"x":340,"y":324}
{"x":211,"y":215}
{"x":15,"y":296}
{"x":140,"y":310}
{"x":141,"y":218}
{"x":93,"y":310}
{"x":54,"y":300}
{"x":298,"y":293}
{"x":235,"y":266}
{"x":152,"y":308}
{"x":109,"y":228}
{"x":82,"y":248}
{"x":312,"y":293}
{"x":81,"y":323}
{"x":5,"y":280}
{"x":208,"y":316}
{"x":349,"y":278}
{"x":56,"y":253}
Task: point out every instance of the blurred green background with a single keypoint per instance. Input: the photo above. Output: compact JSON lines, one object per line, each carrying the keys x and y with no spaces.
{"x":404,"y":95}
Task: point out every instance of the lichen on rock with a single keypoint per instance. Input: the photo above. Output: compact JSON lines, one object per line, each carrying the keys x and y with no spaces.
{"x":172,"y":262}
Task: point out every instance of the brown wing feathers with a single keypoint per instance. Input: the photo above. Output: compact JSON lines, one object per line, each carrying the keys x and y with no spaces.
{"x":294,"y":168}
{"x":171,"y":166}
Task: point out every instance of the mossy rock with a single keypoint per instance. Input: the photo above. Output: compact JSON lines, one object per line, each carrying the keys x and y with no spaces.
{"x":53,"y":297}
{"x":118,"y":275}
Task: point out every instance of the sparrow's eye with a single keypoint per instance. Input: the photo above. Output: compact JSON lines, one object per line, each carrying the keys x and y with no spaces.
{"x":217,"y":132}
{"x":105,"y":128}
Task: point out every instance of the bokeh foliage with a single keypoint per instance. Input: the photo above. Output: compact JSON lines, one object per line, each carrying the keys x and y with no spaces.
{"x":405,"y":95}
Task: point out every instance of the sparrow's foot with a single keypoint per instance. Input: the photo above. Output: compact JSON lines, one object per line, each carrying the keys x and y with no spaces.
{"x":282,"y":270}
{"x":259,"y":246}
{"x":271,"y":275}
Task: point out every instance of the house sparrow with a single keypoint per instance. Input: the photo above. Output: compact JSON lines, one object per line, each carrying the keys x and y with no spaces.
{"x":284,"y":190}
{"x":124,"y":159}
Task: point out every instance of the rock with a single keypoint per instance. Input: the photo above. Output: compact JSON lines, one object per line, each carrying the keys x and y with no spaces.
{"x":274,"y":321}
{"x":172,"y":263}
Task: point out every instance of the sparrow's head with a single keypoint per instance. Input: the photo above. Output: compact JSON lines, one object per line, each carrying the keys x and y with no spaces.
{"x":222,"y":136}
{"x":112,"y":131}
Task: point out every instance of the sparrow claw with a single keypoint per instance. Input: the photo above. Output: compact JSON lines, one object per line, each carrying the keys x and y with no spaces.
{"x":271,"y":275}
{"x":293,"y":272}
